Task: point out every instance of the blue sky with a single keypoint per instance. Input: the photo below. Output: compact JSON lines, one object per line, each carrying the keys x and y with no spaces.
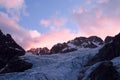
{"x":44,"y":9}
{"x":43,"y":23}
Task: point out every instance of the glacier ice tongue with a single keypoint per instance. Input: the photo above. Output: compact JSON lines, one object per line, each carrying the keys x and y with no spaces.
{"x":53,"y":67}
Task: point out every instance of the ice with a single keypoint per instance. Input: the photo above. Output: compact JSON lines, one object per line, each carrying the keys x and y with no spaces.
{"x":88,"y":72}
{"x":53,"y":67}
{"x":116,"y":63}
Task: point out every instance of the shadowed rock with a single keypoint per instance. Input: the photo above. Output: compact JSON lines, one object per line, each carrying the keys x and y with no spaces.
{"x":108,"y":52}
{"x":104,"y":71}
{"x":77,"y":43}
{"x":9,"y":55}
{"x":39,"y":51}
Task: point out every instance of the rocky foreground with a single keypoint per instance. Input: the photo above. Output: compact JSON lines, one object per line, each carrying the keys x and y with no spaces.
{"x":9,"y":55}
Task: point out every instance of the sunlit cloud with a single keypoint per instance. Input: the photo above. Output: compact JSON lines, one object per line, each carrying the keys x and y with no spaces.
{"x":21,"y":35}
{"x":94,"y":17}
{"x":103,"y":1}
{"x":51,"y":38}
{"x":100,"y":21}
{"x":15,"y":8}
{"x":32,"y":38}
{"x":79,"y":10}
{"x":53,"y":23}
{"x":45,"y":23}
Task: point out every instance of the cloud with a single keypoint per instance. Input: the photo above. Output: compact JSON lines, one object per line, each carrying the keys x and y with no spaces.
{"x":103,"y":1}
{"x":32,"y":38}
{"x":98,"y":1}
{"x":52,"y":37}
{"x":15,"y":8}
{"x":53,"y":23}
{"x":21,"y":35}
{"x":79,"y":10}
{"x":45,"y":23}
{"x":102,"y":20}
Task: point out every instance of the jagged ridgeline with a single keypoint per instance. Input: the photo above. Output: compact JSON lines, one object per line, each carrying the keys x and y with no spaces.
{"x":72,"y":45}
{"x":10,"y":53}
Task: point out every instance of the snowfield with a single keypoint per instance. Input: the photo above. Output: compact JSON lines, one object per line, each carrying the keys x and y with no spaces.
{"x":53,"y":67}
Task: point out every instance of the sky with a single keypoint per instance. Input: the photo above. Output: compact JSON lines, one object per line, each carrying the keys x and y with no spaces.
{"x":43,"y":23}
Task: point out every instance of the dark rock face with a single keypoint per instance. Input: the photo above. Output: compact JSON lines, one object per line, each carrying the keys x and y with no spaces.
{"x":104,"y":71}
{"x":39,"y":51}
{"x":9,"y":48}
{"x":90,"y":42}
{"x":58,"y":48}
{"x":108,"y":39}
{"x":61,"y":48}
{"x":9,"y":53}
{"x":16,"y":65}
{"x":108,"y":52}
{"x":79,"y":42}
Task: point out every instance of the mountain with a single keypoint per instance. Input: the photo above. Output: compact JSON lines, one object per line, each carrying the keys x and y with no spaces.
{"x":108,"y":39}
{"x":72,"y":45}
{"x":77,"y":43}
{"x":39,"y":51}
{"x":9,"y":55}
{"x":105,"y":65}
{"x":92,"y":59}
{"x":109,"y":51}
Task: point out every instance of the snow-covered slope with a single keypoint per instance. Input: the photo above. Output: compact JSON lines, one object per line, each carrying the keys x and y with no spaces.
{"x":77,"y":43}
{"x":116,"y":63}
{"x":53,"y":67}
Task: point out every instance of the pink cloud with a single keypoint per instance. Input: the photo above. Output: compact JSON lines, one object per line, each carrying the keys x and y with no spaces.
{"x":21,"y":35}
{"x":45,"y":23}
{"x":100,"y":21}
{"x":51,"y":38}
{"x":32,"y":38}
{"x":103,"y":1}
{"x":59,"y":21}
{"x":15,"y":8}
{"x":79,"y":10}
{"x":12,"y":3}
{"x":88,"y":1}
{"x":53,"y":23}
{"x":102,"y":27}
{"x":98,"y":1}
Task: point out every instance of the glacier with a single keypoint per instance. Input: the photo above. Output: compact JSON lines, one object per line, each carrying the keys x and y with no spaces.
{"x":53,"y":67}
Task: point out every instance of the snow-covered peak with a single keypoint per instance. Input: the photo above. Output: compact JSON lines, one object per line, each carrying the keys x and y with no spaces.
{"x":77,"y":43}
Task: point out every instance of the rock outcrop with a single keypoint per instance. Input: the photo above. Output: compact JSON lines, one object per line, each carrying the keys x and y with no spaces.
{"x":104,"y":71}
{"x":108,"y":39}
{"x":9,"y":55}
{"x":108,"y":52}
{"x":77,"y":43}
{"x":39,"y":51}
